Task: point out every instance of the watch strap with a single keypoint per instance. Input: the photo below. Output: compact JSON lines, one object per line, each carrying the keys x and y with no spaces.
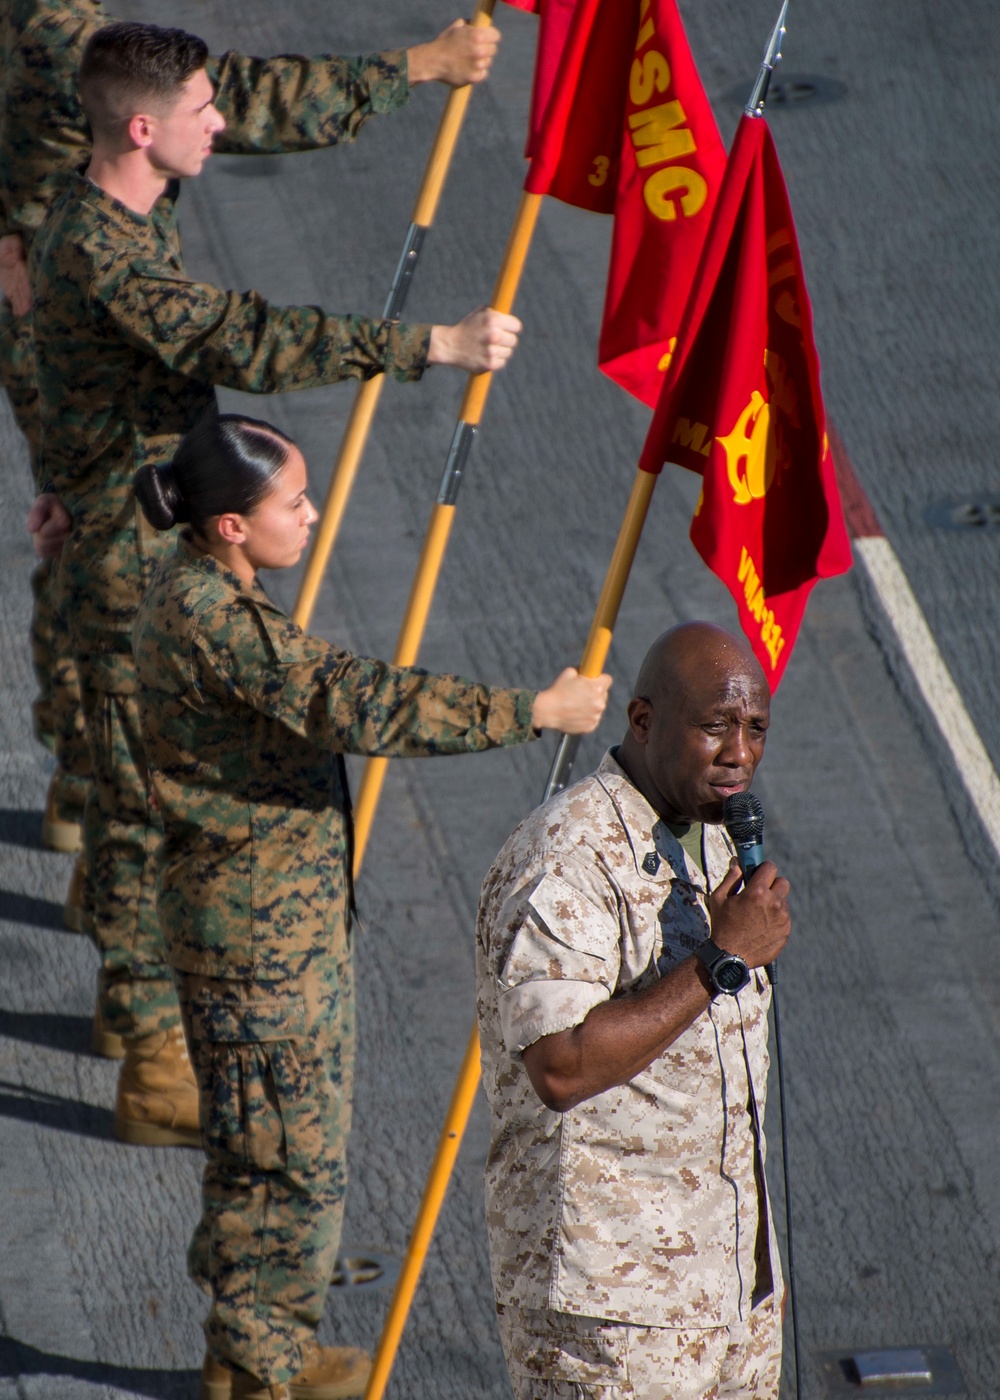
{"x":710,"y":953}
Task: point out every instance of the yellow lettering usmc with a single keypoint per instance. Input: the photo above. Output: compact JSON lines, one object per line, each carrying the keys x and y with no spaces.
{"x":658,"y":133}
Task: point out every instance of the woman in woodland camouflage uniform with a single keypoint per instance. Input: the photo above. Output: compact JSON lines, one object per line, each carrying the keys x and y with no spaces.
{"x":245,"y":720}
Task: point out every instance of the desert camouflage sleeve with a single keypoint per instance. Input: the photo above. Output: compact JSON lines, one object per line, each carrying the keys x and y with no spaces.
{"x":562,"y":933}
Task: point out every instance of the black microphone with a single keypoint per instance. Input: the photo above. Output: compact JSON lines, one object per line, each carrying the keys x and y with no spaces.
{"x":744,"y":819}
{"x":743,"y":816}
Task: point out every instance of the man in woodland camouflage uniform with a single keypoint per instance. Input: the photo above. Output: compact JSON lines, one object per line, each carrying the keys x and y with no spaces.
{"x":42,"y":134}
{"x":625,"y":1059}
{"x":128,"y":349}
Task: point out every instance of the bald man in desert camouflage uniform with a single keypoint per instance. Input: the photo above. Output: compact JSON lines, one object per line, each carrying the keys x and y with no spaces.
{"x":128,"y":351}
{"x":631,"y":1240}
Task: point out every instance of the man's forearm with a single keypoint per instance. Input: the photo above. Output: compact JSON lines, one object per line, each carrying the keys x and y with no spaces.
{"x":240,"y":341}
{"x":622,"y":1037}
{"x":617,"y":1040}
{"x":288,"y":103}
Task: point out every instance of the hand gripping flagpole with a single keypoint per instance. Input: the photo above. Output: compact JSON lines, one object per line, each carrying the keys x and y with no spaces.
{"x":370,"y":390}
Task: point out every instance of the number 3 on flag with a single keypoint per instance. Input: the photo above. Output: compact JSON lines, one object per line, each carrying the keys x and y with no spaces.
{"x":602,"y":165}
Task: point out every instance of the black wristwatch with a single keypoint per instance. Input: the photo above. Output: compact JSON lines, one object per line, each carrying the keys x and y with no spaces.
{"x":729,"y":973}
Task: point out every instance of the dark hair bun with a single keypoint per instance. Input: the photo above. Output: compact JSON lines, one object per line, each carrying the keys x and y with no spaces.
{"x":160,"y":497}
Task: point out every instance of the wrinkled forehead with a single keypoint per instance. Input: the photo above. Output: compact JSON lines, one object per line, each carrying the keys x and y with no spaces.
{"x":724,"y":690}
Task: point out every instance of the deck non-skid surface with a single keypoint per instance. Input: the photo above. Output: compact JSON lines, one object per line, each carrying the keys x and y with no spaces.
{"x":890,"y":988}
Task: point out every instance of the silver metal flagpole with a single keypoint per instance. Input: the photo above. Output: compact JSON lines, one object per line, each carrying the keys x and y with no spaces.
{"x":755,"y":108}
{"x":772,"y":56}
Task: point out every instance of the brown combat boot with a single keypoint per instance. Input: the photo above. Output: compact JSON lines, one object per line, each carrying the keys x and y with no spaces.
{"x":103,"y":1042}
{"x":74,"y":916}
{"x":59,"y":831}
{"x":157,"y":1101}
{"x":328,"y":1373}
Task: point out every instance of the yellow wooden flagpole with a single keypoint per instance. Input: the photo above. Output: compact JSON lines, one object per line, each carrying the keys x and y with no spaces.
{"x":436,"y":540}
{"x":594,"y":656}
{"x":430,"y":1207}
{"x":599,"y":641}
{"x":366,"y":399}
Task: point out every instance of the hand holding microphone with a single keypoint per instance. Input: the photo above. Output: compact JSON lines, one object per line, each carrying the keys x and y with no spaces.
{"x":754,"y":923}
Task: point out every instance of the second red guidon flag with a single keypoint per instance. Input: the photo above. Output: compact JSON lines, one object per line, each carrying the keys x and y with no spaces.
{"x":620,"y":124}
{"x":742,"y":406}
{"x":669,"y":173}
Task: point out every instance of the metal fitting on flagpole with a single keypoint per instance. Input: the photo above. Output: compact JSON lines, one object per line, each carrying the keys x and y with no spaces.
{"x":562,"y":765}
{"x":458,"y":455}
{"x":405,"y":269}
{"x":772,"y":56}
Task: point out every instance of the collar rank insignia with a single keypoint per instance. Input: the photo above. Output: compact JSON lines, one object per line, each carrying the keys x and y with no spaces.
{"x":651,"y":863}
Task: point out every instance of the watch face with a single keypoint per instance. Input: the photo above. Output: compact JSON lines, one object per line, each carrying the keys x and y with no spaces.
{"x":730,"y":974}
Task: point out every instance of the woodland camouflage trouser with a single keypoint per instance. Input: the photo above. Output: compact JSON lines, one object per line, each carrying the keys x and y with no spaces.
{"x":58,"y":718}
{"x":58,"y":708}
{"x":274,"y":1064}
{"x":122,"y":837}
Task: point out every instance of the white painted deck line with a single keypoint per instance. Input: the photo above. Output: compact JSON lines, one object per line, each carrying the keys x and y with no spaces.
{"x":934,"y":680}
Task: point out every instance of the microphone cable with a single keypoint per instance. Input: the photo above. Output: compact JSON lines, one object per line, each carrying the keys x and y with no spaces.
{"x":743,"y":817}
{"x":779,"y":1059}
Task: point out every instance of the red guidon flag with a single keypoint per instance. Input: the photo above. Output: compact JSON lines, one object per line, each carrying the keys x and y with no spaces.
{"x":620,"y":124}
{"x":670,"y":170}
{"x":742,"y":406}
{"x":578,"y":99}
{"x":554,"y":18}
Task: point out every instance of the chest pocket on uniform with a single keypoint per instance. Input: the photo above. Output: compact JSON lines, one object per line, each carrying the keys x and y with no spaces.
{"x":684,"y":925}
{"x":167,"y":301}
{"x":271,"y":736}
